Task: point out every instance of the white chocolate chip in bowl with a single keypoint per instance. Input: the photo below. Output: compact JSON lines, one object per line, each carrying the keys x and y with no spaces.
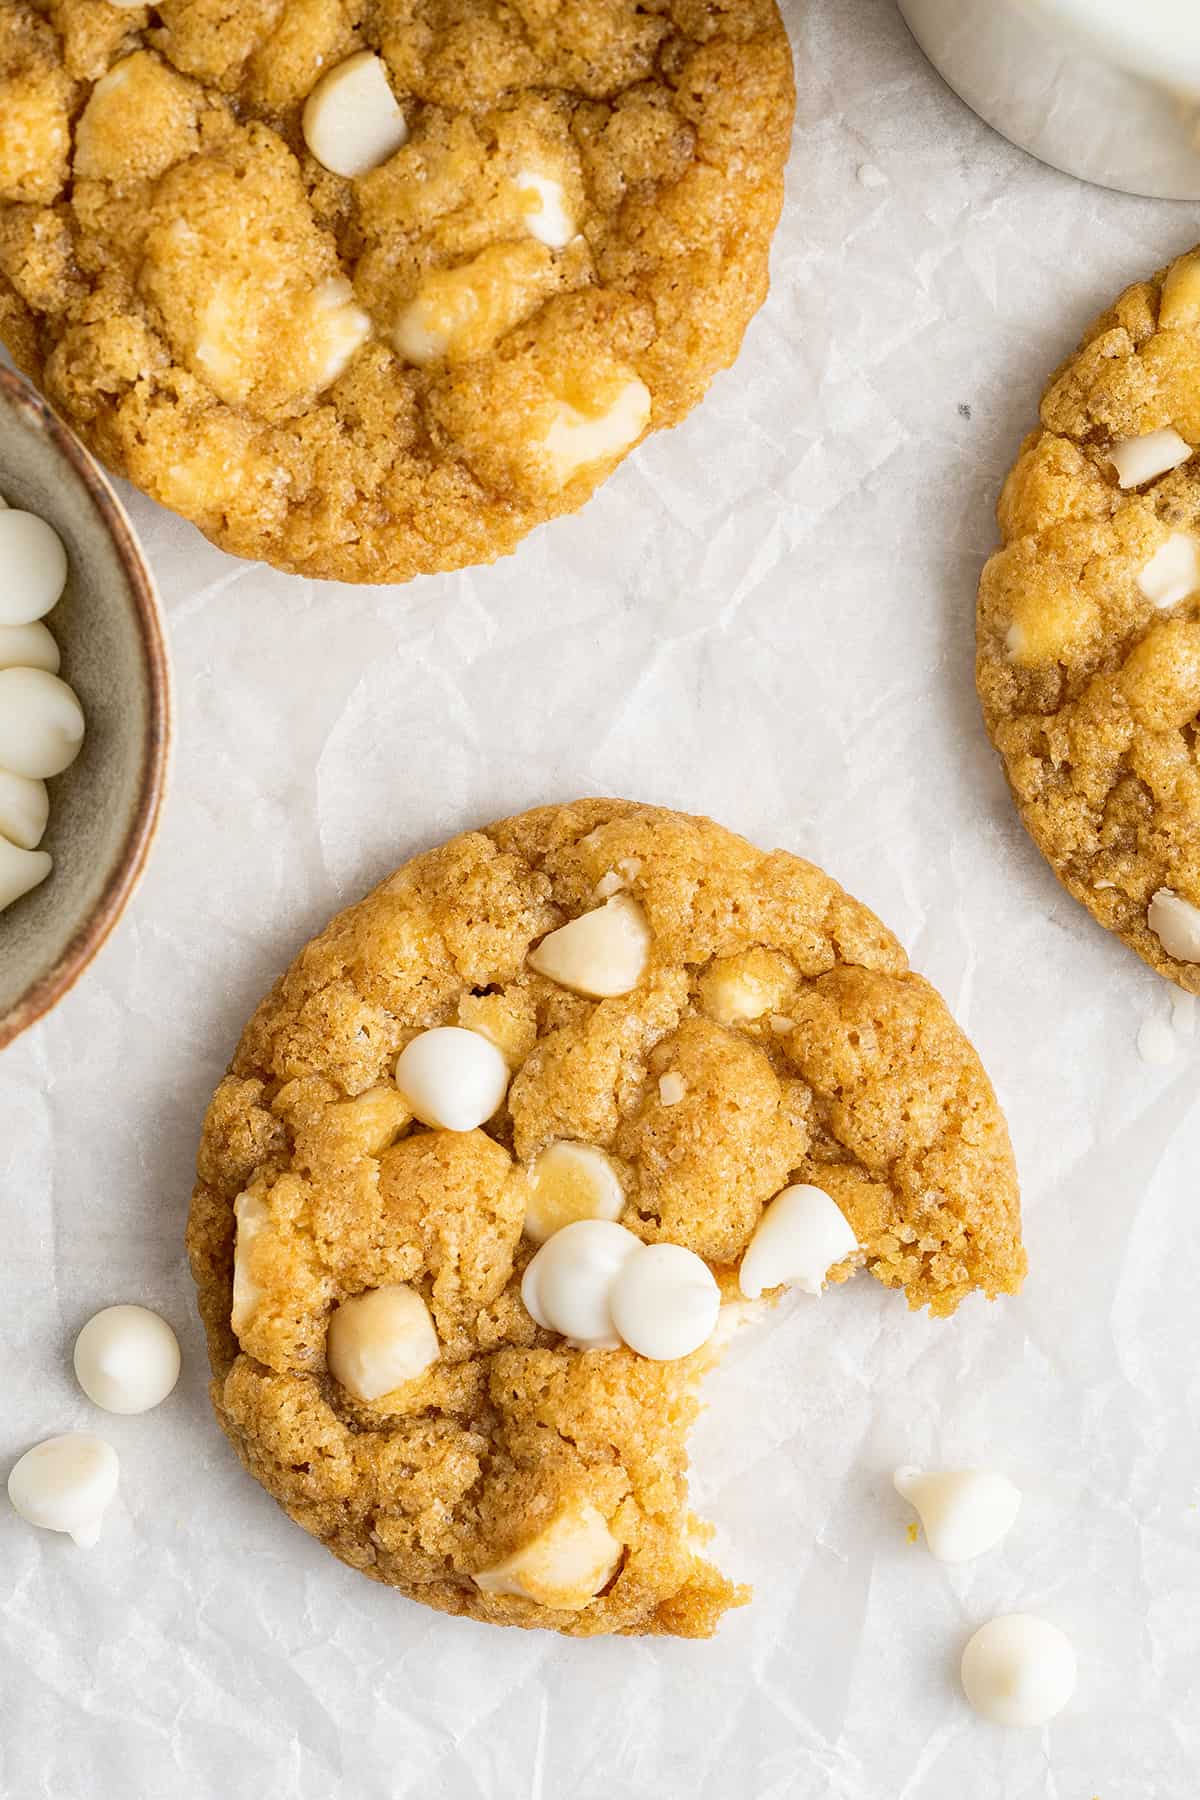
{"x":1173,"y":572}
{"x":33,"y":567}
{"x":566,"y":1565}
{"x":1142,"y":459}
{"x":41,"y":723}
{"x":379,"y":1340}
{"x":1019,"y":1670}
{"x":964,"y":1512}
{"x":567,"y":1182}
{"x":20,"y":871}
{"x":28,"y":647}
{"x":24,"y":810}
{"x":66,"y":1484}
{"x":1175,"y":922}
{"x":567,"y":1286}
{"x":601,"y":954}
{"x":800,"y":1237}
{"x":452,"y":1078}
{"x":352,"y":121}
{"x":665,"y":1302}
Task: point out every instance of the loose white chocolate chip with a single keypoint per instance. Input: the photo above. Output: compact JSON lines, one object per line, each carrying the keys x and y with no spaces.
{"x":379,"y":1340}
{"x":799,"y":1238}
{"x":24,"y":810}
{"x":671,"y":1088}
{"x":252,"y":1215}
{"x":665,"y":1302}
{"x":1173,"y":572}
{"x":544,"y":205}
{"x":567,"y":1285}
{"x":20,"y":871}
{"x":575,"y":439}
{"x":568,"y":1182}
{"x":452,"y":1078}
{"x":127,"y":1359}
{"x":1175,"y":922}
{"x":28,"y":647}
{"x":1019,"y":1670}
{"x":1142,"y":459}
{"x":564,"y":1566}
{"x":33,"y":567}
{"x":66,"y":1484}
{"x":41,"y":723}
{"x":352,"y":120}
{"x":964,"y":1512}
{"x":601,"y":954}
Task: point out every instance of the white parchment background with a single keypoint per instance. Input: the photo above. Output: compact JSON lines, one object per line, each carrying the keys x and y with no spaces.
{"x":766,"y":616}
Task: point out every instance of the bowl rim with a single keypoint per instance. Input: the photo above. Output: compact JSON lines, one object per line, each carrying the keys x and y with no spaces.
{"x":129,"y":866}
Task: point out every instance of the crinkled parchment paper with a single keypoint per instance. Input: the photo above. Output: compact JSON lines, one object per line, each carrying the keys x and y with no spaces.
{"x":767,"y":615}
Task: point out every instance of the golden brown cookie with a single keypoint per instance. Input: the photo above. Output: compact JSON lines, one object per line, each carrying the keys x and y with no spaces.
{"x":761,"y":1029}
{"x":1088,"y":660}
{"x":369,"y":288}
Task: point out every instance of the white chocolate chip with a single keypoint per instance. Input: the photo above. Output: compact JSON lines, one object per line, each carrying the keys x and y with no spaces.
{"x":41,"y":723}
{"x":1019,"y":1670}
{"x":566,"y":1287}
{"x":452,"y":1078}
{"x":964,"y":1512}
{"x":20,"y":871}
{"x":665,"y":1302}
{"x":799,"y":1238}
{"x":671,"y":1088}
{"x":352,"y":120}
{"x":780,"y":1024}
{"x":565,"y":1566}
{"x":253,"y":1215}
{"x":1142,"y":459}
{"x":1173,"y":572}
{"x":568,"y":1182}
{"x":127,"y":1359}
{"x":24,"y":810}
{"x":379,"y":1340}
{"x":339,"y":328}
{"x":33,"y":567}
{"x":601,"y":954}
{"x":1175,"y":922}
{"x":28,"y":647}
{"x":544,"y":206}
{"x":575,"y":440}
{"x":66,"y":1484}
{"x":608,"y":885}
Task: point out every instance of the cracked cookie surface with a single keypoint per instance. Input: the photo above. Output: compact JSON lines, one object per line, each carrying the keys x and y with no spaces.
{"x":406,"y":369}
{"x":1088,"y":651}
{"x":775,"y":1034}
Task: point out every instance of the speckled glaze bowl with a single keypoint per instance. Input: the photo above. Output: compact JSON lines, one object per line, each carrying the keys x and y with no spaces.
{"x":104,"y":809}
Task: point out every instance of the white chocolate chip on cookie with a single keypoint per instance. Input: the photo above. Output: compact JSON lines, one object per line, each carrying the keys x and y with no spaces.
{"x":1173,"y":572}
{"x":460,"y":313}
{"x":24,"y":810}
{"x":566,"y":1287}
{"x":567,"y":1182}
{"x":33,"y":567}
{"x":575,"y":439}
{"x":544,"y":206}
{"x":352,"y":120}
{"x":452,"y":1078}
{"x":41,"y":723}
{"x":800,"y":1237}
{"x":1019,"y":1670}
{"x":339,"y":328}
{"x":20,"y":871}
{"x":66,"y":1484}
{"x":564,"y":1566}
{"x":1142,"y":459}
{"x":601,"y":954}
{"x":737,"y":988}
{"x":253,"y":1216}
{"x":671,"y":1088}
{"x":964,"y":1511}
{"x":665,"y":1302}
{"x":1179,"y":307}
{"x":1175,"y":922}
{"x":379,"y":1340}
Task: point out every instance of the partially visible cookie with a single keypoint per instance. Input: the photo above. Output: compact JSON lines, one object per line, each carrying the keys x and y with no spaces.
{"x":1088,"y":661}
{"x":371,"y":290}
{"x":603,"y":1012}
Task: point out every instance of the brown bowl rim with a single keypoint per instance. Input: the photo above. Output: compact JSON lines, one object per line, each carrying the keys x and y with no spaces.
{"x":129,"y":865}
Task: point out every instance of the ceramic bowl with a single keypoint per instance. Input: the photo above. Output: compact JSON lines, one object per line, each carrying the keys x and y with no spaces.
{"x":104,"y":809}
